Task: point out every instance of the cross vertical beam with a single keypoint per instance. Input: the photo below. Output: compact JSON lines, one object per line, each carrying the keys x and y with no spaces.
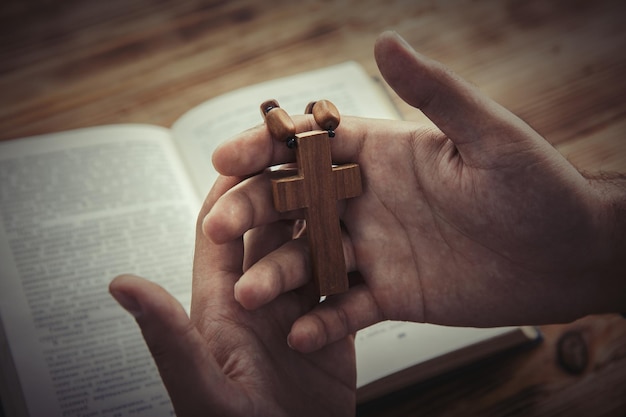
{"x":316,"y":188}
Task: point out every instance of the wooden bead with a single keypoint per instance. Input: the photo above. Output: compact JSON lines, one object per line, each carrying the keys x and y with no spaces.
{"x":326,"y":115}
{"x":309,"y":107}
{"x":280,"y":125}
{"x":267,"y":105}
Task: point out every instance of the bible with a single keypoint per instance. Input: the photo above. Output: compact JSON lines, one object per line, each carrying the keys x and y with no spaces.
{"x":79,"y":207}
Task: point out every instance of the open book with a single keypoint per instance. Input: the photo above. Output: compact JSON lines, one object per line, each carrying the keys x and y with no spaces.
{"x":80,"y":207}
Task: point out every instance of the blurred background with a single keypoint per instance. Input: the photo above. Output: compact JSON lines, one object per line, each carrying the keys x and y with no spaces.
{"x":560,"y":65}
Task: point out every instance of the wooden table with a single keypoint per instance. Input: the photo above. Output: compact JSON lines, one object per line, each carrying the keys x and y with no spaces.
{"x":559,"y":65}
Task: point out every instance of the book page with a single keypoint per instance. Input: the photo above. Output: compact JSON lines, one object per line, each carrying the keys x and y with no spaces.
{"x":199,"y":131}
{"x":77,"y":209}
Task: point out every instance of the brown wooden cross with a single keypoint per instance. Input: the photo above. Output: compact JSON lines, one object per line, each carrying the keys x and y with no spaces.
{"x":316,"y":188}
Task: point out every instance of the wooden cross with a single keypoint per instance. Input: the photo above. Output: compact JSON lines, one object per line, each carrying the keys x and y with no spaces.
{"x":316,"y":188}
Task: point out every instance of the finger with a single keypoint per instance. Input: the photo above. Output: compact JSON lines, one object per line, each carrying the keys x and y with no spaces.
{"x":208,"y":256}
{"x":471,"y":120}
{"x":262,"y":240}
{"x":334,"y":319}
{"x":282,"y":270}
{"x":246,"y":206}
{"x":216,"y":267}
{"x":254,"y":149}
{"x":176,"y":346}
{"x":219,"y":188}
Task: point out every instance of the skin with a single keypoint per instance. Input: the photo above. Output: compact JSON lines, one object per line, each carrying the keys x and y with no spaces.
{"x":227,"y":361}
{"x":478,"y":222}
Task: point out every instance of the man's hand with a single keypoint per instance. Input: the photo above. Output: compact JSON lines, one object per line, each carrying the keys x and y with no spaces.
{"x":480,"y":222}
{"x":227,"y":361}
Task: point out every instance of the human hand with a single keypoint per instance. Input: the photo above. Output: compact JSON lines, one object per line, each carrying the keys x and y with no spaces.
{"x":227,"y":361}
{"x":480,"y":222}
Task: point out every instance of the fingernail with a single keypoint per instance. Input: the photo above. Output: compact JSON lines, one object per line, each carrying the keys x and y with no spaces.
{"x":129,"y":303}
{"x":204,"y":225}
{"x":236,"y":292}
{"x":289,"y":341}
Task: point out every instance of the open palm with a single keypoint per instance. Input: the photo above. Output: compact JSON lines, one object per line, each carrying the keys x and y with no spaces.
{"x":477,"y":222}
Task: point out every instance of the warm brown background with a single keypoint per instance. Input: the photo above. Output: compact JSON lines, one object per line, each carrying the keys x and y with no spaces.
{"x":560,"y":65}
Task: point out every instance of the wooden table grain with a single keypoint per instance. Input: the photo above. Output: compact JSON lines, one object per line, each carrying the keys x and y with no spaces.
{"x":560,"y":65}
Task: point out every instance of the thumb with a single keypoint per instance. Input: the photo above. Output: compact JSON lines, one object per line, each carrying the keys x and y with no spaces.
{"x":472,"y":121}
{"x":176,"y":346}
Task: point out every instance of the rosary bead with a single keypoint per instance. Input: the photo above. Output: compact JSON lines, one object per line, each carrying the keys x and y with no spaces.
{"x":325,"y":113}
{"x":280,"y":125}
{"x":268,"y":105}
{"x":278,"y":122}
